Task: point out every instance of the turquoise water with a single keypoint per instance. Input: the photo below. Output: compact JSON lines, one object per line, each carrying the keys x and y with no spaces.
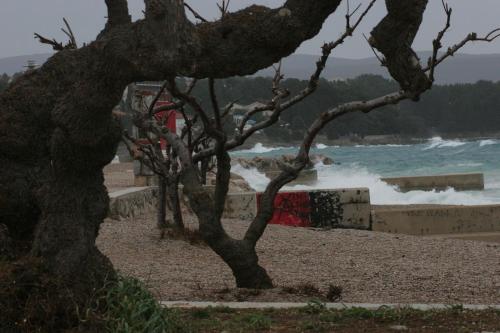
{"x":362,"y":166}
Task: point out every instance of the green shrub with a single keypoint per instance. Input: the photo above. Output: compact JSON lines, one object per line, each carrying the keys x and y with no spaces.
{"x":132,"y":309}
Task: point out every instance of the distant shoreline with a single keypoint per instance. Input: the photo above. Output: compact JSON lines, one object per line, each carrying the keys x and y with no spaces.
{"x":367,"y":140}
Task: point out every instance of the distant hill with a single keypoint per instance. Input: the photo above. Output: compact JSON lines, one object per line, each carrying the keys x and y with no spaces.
{"x":462,"y":68}
{"x":12,"y":65}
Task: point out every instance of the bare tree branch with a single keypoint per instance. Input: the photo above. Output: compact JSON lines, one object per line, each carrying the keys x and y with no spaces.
{"x":56,"y":46}
{"x":70,"y":34}
{"x":223,"y":7}
{"x":274,"y":104}
{"x":215,"y":104}
{"x":157,"y":97}
{"x":472,"y":37}
{"x":195,"y":13}
{"x":436,"y":43}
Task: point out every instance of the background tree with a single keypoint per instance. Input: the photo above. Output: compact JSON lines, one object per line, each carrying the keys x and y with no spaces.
{"x":393,"y":37}
{"x":4,"y":81}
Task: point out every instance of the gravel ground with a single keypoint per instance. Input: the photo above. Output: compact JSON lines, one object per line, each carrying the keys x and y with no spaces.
{"x":369,"y":266}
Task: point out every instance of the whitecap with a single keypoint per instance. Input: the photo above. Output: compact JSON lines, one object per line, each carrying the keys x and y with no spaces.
{"x":438,"y":142}
{"x":470,"y":164}
{"x":483,"y":143}
{"x":259,"y":148}
{"x":381,"y":146}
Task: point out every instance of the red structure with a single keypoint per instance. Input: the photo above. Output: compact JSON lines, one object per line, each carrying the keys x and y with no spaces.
{"x":291,"y":209}
{"x":167,"y":118}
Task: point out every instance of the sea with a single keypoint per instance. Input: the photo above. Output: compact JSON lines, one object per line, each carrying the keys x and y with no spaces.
{"x":364,"y":165}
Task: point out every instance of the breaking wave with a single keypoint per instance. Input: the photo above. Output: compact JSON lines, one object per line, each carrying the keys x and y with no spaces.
{"x":381,"y":146}
{"x":258,"y":181}
{"x":438,"y":142}
{"x":483,"y":143}
{"x":259,"y":148}
{"x":380,"y":192}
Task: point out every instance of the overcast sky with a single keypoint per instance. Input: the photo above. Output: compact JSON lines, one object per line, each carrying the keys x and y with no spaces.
{"x":19,"y":19}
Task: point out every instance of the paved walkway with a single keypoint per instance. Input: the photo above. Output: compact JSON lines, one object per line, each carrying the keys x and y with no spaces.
{"x":333,"y":306}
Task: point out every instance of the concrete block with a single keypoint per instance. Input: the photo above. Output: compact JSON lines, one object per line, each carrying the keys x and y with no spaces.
{"x":241,"y":206}
{"x":349,"y":195}
{"x":460,"y":182}
{"x":356,"y":216}
{"x":342,"y":208}
{"x":437,"y":220}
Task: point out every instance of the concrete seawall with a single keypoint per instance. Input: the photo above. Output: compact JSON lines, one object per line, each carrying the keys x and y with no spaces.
{"x":341,"y":208}
{"x":436,"y":219}
{"x":460,"y":182}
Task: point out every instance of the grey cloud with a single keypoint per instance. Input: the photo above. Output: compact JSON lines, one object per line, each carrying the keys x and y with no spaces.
{"x":20,"y":18}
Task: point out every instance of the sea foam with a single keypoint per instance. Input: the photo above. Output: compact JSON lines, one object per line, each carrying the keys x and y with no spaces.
{"x":381,"y":193}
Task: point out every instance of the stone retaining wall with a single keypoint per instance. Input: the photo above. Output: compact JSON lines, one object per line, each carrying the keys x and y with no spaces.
{"x":460,"y":182}
{"x":132,"y":202}
{"x":437,"y":220}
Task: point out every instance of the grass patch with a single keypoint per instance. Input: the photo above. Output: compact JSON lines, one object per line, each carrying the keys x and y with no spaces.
{"x":316,"y":318}
{"x":257,"y":321}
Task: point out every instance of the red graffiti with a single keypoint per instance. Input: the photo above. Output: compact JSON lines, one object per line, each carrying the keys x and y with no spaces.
{"x":291,"y":209}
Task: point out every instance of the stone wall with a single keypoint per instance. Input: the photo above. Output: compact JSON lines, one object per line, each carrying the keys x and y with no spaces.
{"x":132,"y":202}
{"x":460,"y":182}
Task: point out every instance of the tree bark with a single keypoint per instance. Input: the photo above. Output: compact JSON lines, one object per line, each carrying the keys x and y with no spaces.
{"x":175,"y":204}
{"x":56,"y":135}
{"x":239,"y":255}
{"x":162,"y":204}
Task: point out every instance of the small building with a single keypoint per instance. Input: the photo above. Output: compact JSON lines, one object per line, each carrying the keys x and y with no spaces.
{"x":143,"y":95}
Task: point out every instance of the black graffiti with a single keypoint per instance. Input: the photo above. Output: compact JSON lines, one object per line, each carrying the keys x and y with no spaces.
{"x":326,"y":209}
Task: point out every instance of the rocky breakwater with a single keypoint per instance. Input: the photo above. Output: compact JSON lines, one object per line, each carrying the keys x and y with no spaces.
{"x":271,"y":166}
{"x":237,"y":183}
